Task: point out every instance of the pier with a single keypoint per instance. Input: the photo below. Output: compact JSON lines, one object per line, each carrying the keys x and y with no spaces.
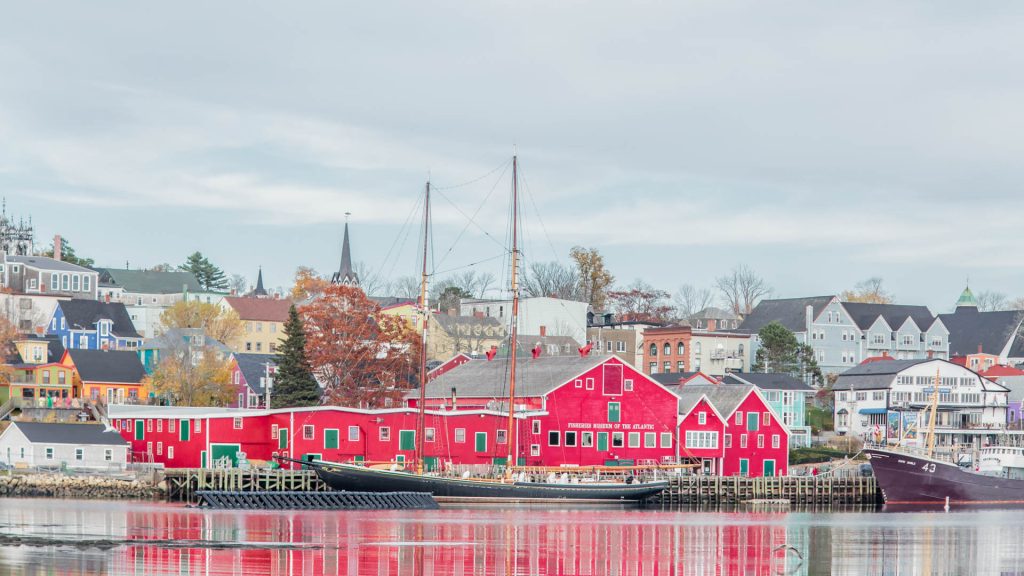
{"x":184,"y":483}
{"x":810,"y":491}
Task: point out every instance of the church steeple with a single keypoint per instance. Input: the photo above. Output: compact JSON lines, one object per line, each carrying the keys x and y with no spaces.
{"x":967,"y":300}
{"x":345,"y":274}
{"x":259,"y":290}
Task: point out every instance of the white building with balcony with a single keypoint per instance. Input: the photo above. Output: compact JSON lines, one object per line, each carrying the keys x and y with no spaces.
{"x":890,"y":401}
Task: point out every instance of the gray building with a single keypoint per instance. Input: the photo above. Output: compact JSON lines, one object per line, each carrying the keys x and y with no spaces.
{"x":78,"y":446}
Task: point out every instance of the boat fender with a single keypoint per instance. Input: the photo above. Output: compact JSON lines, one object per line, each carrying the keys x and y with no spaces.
{"x":465,"y":474}
{"x":629,"y":479}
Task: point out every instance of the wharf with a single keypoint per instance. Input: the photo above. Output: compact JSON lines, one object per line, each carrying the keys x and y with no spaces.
{"x":183,"y":484}
{"x":809,"y":491}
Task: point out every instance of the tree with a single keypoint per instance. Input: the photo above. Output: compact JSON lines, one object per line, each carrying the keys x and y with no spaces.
{"x":370,"y":280}
{"x":868,"y":291}
{"x":210,"y":277}
{"x":989,"y":301}
{"x":165,"y":267}
{"x":364,"y":358}
{"x":450,"y":297}
{"x":192,"y":377}
{"x":238,"y":284}
{"x":308,"y":284}
{"x":1016,"y":304}
{"x":294,"y":384}
{"x":67,"y":254}
{"x":742,"y":289}
{"x":781,"y":353}
{"x":690,"y":300}
{"x":8,"y":334}
{"x":219,"y":323}
{"x":592,"y":276}
{"x":640,"y":302}
{"x":406,"y":287}
{"x":551,"y":279}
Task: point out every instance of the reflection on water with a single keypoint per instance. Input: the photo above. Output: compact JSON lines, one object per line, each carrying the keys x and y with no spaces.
{"x":78,"y":537}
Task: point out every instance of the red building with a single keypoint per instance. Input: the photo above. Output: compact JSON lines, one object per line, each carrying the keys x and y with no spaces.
{"x":741,"y":435}
{"x":576,"y":410}
{"x":249,"y":376}
{"x":667,"y":349}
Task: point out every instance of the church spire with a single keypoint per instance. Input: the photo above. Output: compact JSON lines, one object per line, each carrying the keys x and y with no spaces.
{"x":345,"y":274}
{"x":259,"y":290}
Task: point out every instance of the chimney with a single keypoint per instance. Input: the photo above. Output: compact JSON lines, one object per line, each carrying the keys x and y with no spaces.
{"x":491,"y":353}
{"x":106,"y":297}
{"x":543,"y":331}
{"x":979,"y":348}
{"x":536,"y":350}
{"x":58,"y":247}
{"x":930,"y":354}
{"x":478,"y":314}
{"x":454,"y":399}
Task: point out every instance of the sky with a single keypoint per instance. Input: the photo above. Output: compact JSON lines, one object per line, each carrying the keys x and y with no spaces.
{"x":818,"y":143}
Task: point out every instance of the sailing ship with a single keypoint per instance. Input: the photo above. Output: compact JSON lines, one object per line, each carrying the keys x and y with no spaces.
{"x":510,"y":486}
{"x":909,"y":478}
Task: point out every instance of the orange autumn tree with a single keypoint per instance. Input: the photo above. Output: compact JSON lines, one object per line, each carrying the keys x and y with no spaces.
{"x":364,"y":358}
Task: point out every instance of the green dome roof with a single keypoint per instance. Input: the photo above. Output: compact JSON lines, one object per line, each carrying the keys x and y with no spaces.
{"x":967,"y":299}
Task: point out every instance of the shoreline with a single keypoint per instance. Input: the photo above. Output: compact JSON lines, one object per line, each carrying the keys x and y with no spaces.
{"x":83,"y":487}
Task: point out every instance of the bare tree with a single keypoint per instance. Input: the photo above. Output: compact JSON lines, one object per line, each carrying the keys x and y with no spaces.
{"x":742,"y":289}
{"x":238,"y":284}
{"x":989,"y":301}
{"x":550,"y":279}
{"x":406,"y":287}
{"x":484,"y":282}
{"x":594,"y":278}
{"x":640,"y":301}
{"x":370,"y":281}
{"x":690,"y":300}
{"x":1016,"y":304}
{"x":868,"y":291}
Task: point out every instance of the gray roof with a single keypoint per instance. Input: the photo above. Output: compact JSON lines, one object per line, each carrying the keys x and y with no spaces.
{"x":1015,"y":384}
{"x":44,"y":263}
{"x":81,"y":434}
{"x":713,"y":313}
{"x":122,"y":366}
{"x":483,"y":379}
{"x":84,"y":314}
{"x":254,"y":367}
{"x":864,"y":315}
{"x":450,"y":323}
{"x":179,"y":338}
{"x":874,"y":375}
{"x":724,"y":397}
{"x":671,"y":378}
{"x":790,"y":312}
{"x":969,"y":329}
{"x":770,"y":381}
{"x":566,"y":344}
{"x":149,"y":281}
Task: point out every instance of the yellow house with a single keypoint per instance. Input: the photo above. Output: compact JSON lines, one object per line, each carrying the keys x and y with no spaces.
{"x":113,"y":376}
{"x":407,"y":311}
{"x":263,"y":320}
{"x":36,"y":371}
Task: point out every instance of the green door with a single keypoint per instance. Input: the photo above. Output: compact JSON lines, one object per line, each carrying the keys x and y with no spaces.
{"x":744,"y":467}
{"x":229,"y":451}
{"x":306,"y":457}
{"x":406,"y":439}
{"x":769,"y":467}
{"x":602,"y":441}
{"x":481,"y":441}
{"x":184,"y":431}
{"x":282,"y":439}
{"x":430,"y":463}
{"x":752,"y":419}
{"x":614,"y":412}
{"x":140,"y":432}
{"x":331,"y":439}
{"x":202,"y":459}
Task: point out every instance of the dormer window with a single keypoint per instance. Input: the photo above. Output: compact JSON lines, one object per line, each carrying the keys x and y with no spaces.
{"x":104,"y":328}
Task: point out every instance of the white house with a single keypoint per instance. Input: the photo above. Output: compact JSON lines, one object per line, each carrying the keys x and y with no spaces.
{"x":77,"y":446}
{"x":542,"y":315}
{"x":889,"y":400}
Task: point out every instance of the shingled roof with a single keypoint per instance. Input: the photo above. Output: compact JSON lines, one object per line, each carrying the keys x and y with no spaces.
{"x":969,"y":329}
{"x":724,"y":397}
{"x":260,"y":309}
{"x":790,"y":312}
{"x":119,"y":366}
{"x":149,"y":281}
{"x":770,"y":381}
{"x":534,"y":377}
{"x":83,"y":315}
{"x":864,"y":315}
{"x":875,"y":375}
{"x":78,"y":434}
{"x":254,"y":368}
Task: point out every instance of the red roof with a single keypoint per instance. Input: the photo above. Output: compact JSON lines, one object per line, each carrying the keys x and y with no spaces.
{"x":882,"y":358}
{"x":997,"y":371}
{"x":266,"y":309}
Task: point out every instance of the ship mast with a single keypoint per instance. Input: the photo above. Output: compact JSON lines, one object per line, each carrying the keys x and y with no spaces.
{"x":931,"y":416}
{"x":425,"y":312}
{"x":511,"y":437}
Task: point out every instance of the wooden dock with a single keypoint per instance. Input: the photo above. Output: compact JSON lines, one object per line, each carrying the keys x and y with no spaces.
{"x":183,"y":483}
{"x":804,"y":491}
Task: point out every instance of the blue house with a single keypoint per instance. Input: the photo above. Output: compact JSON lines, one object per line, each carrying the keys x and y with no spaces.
{"x":93,"y":325}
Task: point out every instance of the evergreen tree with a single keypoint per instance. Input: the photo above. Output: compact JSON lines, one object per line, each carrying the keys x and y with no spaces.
{"x":781,"y":353}
{"x":67,"y":254}
{"x":209,"y":276}
{"x":294,"y":384}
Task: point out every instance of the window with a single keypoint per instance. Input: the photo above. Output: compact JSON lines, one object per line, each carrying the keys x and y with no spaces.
{"x":666,"y":439}
{"x":634,"y":439}
{"x":353,"y":433}
{"x":861,"y":396}
{"x":170,"y":452}
{"x":620,"y":346}
{"x":308,"y":432}
{"x":579,"y":383}
{"x":668,"y":349}
{"x":702,"y":418}
{"x":248,"y":346}
{"x":65,"y":282}
{"x":54,"y":281}
{"x":259,"y":346}
{"x":766,"y":419}
{"x":739,"y":419}
{"x":614,"y":412}
{"x":878,"y":395}
{"x":570,"y":438}
{"x":536,"y":426}
{"x":608,"y":346}
{"x":86,"y":283}
{"x":149,"y":425}
{"x":590,"y":383}
{"x":79,"y":454}
{"x":696,"y":348}
{"x":842,"y":396}
{"x":618,"y":439}
{"x":587,"y":439}
{"x":680,"y":349}
{"x":629,"y":385}
{"x":650,"y":439}
{"x":681,"y":366}
{"x":534,"y":449}
{"x":159,"y":448}
{"x":668,"y":366}
{"x":775,"y":440}
{"x":728,"y":440}
{"x":702,"y":439}
{"x":654,"y":349}
{"x":460,"y":435}
{"x":501,"y":436}
{"x":108,"y":454}
{"x":273,"y":431}
{"x":62,"y":377}
{"x":49,"y":453}
{"x":653,"y":367}
{"x":46,"y":376}
{"x":76,"y":283}
{"x":384,"y":434}
{"x":160,"y":425}
{"x":83,"y":341}
{"x":760,"y":440}
{"x":743,"y":440}
{"x":236,"y":423}
{"x":554,"y":438}
{"x":259,"y":326}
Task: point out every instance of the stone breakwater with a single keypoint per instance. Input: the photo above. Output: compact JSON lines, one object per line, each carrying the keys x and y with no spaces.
{"x":85,"y":487}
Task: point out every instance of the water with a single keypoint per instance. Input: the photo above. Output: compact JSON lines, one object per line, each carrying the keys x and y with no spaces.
{"x":95,"y":537}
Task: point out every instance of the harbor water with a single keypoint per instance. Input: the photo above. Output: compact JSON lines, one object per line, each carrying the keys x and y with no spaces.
{"x":102,"y":537}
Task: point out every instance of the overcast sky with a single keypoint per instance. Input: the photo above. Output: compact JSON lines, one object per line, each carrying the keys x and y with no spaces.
{"x":818,"y":144}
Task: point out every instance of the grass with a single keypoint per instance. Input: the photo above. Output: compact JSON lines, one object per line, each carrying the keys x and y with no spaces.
{"x":819,"y":419}
{"x":815,"y":454}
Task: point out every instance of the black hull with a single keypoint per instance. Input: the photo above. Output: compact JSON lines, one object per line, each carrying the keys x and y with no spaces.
{"x":915,"y":480}
{"x":361,"y":479}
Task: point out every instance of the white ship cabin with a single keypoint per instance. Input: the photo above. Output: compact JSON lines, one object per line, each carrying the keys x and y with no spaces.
{"x":1004,"y":461}
{"x":887,"y":401}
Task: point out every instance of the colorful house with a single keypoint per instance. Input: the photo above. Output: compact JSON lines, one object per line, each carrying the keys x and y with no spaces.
{"x":116,"y":376}
{"x":263,"y":319}
{"x":1013,"y":380}
{"x":37,"y":371}
{"x":788,"y":398}
{"x":92,"y":325}
{"x":194,"y":343}
{"x":250,"y":374}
